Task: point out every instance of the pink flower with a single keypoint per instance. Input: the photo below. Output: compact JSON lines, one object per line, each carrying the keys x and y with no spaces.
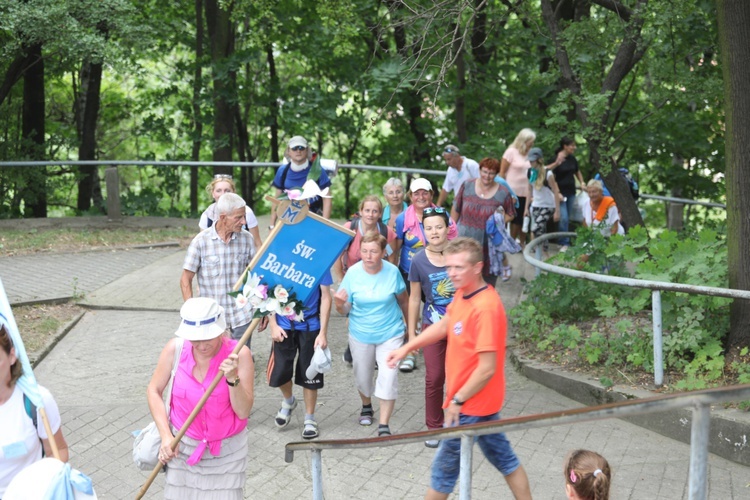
{"x":288,"y":310}
{"x":281,"y":294}
{"x":241,"y":301}
{"x":293,"y":194}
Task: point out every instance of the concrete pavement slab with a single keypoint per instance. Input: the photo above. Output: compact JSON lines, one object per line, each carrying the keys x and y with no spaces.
{"x":153,"y":286}
{"x":100,"y":370}
{"x":45,"y":276}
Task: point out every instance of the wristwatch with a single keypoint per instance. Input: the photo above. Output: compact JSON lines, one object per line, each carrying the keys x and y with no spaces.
{"x":233,"y":384}
{"x":457,"y":401}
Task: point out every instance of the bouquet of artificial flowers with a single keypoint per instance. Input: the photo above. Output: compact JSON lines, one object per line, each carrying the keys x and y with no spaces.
{"x":256,"y":294}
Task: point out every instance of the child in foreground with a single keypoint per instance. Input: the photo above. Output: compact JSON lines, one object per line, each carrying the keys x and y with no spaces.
{"x":587,"y":476}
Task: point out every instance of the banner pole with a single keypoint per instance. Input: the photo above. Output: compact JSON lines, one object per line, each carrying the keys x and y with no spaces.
{"x":50,"y":435}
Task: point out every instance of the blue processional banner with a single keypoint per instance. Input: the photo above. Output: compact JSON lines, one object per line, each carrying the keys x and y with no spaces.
{"x":301,"y":250}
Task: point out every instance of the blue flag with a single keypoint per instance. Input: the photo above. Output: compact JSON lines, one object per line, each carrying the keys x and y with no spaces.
{"x":27,"y":382}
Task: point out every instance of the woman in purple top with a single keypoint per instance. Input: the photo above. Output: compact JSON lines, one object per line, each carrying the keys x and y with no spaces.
{"x":476,"y":202}
{"x":427,"y":274}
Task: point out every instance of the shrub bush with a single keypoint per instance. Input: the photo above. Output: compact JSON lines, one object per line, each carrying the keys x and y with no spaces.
{"x":694,"y":326}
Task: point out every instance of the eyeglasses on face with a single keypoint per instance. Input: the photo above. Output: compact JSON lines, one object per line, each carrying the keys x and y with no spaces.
{"x":434,"y":210}
{"x":299,"y":148}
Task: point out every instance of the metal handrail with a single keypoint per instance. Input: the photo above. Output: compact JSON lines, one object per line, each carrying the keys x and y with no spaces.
{"x":256,"y":164}
{"x":700,"y":401}
{"x":655,"y":286}
{"x":617,"y":280}
{"x":683,"y":201}
{"x":177,"y":163}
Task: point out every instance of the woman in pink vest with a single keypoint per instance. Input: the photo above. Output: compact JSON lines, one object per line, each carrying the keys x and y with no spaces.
{"x":211,"y":460}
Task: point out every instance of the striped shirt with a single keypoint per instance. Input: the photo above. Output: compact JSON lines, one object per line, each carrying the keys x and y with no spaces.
{"x":218,"y":266}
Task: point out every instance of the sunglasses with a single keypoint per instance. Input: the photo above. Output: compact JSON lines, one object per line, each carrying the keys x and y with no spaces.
{"x":299,"y":148}
{"x":451,"y":150}
{"x":435,"y":210}
{"x":223,"y":176}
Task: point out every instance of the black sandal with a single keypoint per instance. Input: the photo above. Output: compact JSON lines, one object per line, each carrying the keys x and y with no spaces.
{"x":365,"y":416}
{"x":384,"y":430}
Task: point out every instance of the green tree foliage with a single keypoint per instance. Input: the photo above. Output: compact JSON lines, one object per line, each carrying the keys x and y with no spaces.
{"x":375,"y":82}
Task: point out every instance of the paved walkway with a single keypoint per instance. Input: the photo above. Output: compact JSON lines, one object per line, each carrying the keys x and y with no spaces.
{"x":50,"y":276}
{"x":99,"y":372}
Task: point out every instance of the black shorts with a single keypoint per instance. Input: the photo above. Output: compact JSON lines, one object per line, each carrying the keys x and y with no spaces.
{"x":282,"y":365}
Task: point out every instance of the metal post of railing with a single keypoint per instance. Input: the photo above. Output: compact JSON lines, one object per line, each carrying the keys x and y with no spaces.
{"x":467,"y":448}
{"x":317,"y":474}
{"x":658,"y":354}
{"x":112,"y":180}
{"x":538,"y":271}
{"x":699,"y":452}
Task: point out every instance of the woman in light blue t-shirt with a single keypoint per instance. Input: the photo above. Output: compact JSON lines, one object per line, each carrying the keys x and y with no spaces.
{"x":373,"y":295}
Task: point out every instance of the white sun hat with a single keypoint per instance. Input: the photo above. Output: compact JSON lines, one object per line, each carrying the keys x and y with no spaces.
{"x":202,"y":319}
{"x":320,"y":363}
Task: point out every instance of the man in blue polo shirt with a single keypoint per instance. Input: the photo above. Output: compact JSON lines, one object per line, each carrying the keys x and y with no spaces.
{"x":298,"y":339}
{"x":294,"y":174}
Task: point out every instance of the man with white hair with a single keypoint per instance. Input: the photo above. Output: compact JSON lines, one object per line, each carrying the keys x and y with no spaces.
{"x":460,"y":170}
{"x":219,"y":256}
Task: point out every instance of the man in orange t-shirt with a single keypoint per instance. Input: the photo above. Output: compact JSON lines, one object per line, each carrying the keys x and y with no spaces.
{"x":475,"y":326}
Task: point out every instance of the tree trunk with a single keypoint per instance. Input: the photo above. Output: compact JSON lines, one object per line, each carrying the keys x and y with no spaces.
{"x":676,"y":211}
{"x":32,"y":129}
{"x":421,"y":152}
{"x":734,"y":41}
{"x":247,"y":182}
{"x":463,"y":134}
{"x":221,"y":35}
{"x":14,"y":73}
{"x":273,"y":105}
{"x":88,"y":185}
{"x":629,"y":53}
{"x":479,"y":48}
{"x":195,"y":154}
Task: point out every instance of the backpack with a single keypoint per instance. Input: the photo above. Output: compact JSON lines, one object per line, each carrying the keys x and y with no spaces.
{"x":632,"y":184}
{"x":544,"y":184}
{"x":31,"y":412}
{"x":354,"y":226}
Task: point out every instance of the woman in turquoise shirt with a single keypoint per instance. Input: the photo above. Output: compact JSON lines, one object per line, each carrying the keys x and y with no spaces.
{"x":373,"y":295}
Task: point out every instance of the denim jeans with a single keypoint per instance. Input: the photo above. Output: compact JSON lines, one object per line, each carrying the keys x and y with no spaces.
{"x":567,"y":208}
{"x":496,"y":448}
